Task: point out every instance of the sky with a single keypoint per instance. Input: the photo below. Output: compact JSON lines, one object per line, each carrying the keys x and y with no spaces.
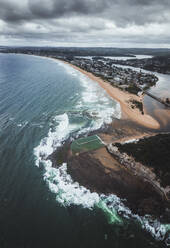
{"x":84,"y":23}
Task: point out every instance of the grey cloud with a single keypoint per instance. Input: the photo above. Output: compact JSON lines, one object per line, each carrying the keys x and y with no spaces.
{"x":73,"y":20}
{"x":11,"y":11}
{"x":122,"y":12}
{"x":138,"y":12}
{"x":58,"y":8}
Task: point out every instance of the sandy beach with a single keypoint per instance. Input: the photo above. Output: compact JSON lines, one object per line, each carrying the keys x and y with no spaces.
{"x":124,"y":99}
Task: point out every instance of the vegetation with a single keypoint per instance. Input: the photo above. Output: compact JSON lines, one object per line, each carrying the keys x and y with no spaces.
{"x":87,"y":51}
{"x":137,"y":104}
{"x":153,"y":152}
{"x":133,"y":89}
{"x":167,"y":100}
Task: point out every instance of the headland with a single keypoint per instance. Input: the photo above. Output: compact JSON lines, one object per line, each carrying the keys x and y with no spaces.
{"x":109,"y":170}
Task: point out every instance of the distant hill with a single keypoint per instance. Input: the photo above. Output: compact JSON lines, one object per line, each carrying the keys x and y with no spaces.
{"x":89,"y":51}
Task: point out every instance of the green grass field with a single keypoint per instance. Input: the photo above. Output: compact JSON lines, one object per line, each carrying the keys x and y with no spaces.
{"x":86,"y":144}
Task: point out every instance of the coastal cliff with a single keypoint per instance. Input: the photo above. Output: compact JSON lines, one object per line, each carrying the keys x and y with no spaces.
{"x":107,"y":172}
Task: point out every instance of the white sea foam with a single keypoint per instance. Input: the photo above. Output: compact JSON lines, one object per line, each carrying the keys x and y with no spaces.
{"x":22,"y":124}
{"x":93,"y":94}
{"x":154,"y":227}
{"x":53,"y":140}
{"x":67,"y":191}
{"x":131,"y":141}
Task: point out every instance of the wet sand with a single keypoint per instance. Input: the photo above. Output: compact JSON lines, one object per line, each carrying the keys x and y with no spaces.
{"x":124,"y":99}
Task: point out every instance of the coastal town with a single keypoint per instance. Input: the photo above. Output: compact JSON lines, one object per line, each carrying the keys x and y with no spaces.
{"x":123,"y":78}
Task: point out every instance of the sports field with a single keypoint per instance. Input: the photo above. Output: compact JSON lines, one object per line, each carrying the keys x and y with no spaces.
{"x":86,"y":144}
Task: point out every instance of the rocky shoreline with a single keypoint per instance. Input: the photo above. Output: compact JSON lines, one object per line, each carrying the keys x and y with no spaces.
{"x":140,"y":197}
{"x":101,"y":172}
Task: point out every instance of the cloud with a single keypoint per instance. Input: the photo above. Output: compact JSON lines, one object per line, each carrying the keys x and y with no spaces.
{"x":121,"y":12}
{"x":88,"y":21}
{"x":53,"y":8}
{"x":13,"y":10}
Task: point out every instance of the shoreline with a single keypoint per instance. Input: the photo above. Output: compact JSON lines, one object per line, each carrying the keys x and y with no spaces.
{"x":124,"y":99}
{"x":120,"y":96}
{"x":156,"y":121}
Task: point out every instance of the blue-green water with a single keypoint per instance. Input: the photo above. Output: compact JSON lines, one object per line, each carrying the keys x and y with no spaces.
{"x":42,"y":103}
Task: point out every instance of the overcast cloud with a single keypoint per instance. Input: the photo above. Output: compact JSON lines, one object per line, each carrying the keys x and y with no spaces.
{"x":122,"y":23}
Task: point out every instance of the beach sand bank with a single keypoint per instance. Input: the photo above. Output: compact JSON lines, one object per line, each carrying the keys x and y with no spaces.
{"x":124,"y":98}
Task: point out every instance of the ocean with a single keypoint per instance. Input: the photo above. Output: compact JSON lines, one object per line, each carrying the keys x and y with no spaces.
{"x":43,"y":102}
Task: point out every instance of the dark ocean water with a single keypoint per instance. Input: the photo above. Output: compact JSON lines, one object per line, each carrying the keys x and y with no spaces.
{"x":42,"y":103}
